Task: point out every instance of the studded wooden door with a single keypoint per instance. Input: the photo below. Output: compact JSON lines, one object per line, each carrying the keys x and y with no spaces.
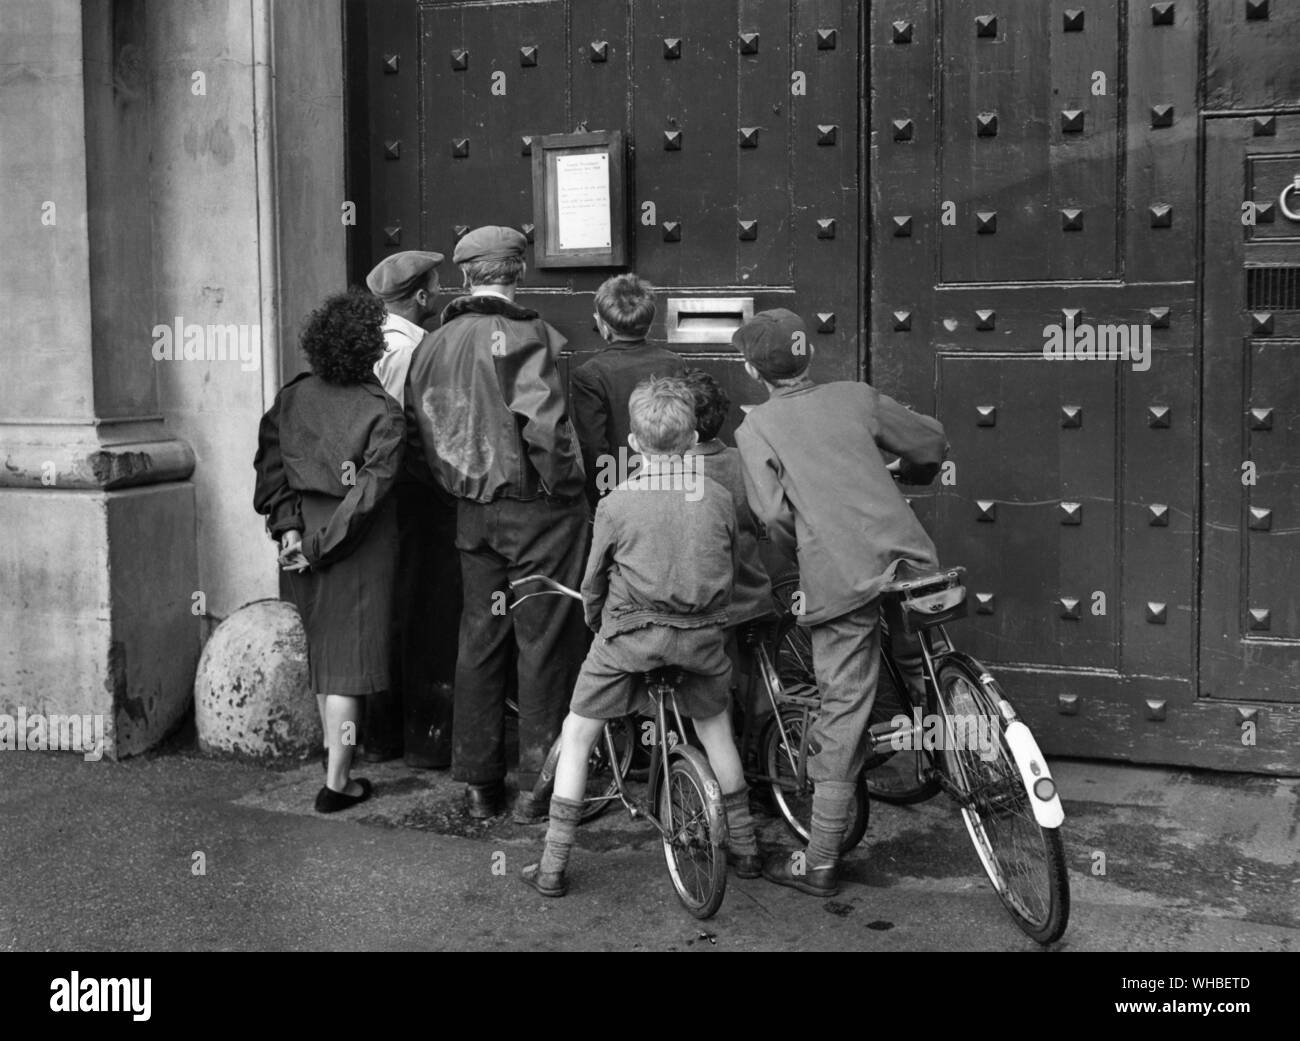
{"x":1035,"y":184}
{"x":742,"y":118}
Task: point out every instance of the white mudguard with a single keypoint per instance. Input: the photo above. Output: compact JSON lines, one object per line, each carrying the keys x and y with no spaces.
{"x":1033,"y":767}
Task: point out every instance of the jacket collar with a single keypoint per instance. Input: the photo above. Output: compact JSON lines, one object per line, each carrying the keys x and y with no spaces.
{"x":713,"y":446}
{"x":805,"y":383}
{"x":487,"y":305}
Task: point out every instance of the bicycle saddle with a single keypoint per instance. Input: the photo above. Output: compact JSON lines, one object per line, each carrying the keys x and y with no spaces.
{"x":910,"y":577}
{"x":669,"y":675}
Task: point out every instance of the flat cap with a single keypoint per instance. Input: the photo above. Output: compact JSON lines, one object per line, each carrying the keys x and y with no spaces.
{"x":489,"y":242}
{"x":774,"y":342}
{"x":400,"y":274}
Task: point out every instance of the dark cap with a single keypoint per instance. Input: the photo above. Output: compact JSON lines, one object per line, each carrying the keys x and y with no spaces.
{"x":489,"y":243}
{"x":401,"y":274}
{"x":774,"y":342}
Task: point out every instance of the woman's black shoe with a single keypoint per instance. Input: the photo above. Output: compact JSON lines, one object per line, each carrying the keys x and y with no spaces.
{"x":330,"y":801}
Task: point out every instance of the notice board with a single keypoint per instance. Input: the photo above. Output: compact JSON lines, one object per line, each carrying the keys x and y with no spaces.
{"x":579,"y":208}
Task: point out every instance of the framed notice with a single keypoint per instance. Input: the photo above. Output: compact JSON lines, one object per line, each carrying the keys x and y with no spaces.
{"x":579,"y":212}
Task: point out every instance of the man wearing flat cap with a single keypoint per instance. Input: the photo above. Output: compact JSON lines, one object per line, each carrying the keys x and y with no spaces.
{"x":407,"y":283}
{"x":413,"y":718}
{"x":485,"y":397}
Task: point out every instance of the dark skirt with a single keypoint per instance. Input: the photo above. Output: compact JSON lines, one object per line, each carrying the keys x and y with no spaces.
{"x":347,"y":607}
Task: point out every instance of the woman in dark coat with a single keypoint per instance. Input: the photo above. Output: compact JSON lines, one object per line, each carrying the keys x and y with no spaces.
{"x":328,"y":455}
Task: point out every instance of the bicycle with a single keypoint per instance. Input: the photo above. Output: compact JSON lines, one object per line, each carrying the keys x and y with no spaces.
{"x":690,"y":815}
{"x":1008,"y":799}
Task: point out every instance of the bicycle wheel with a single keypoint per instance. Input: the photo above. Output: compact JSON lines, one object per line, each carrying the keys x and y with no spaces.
{"x":602,"y":784}
{"x":890,"y":778}
{"x":1024,"y":860}
{"x":780,"y":760}
{"x":695,"y":845}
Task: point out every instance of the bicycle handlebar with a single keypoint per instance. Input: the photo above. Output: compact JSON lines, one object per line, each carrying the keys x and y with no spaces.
{"x":552,"y":588}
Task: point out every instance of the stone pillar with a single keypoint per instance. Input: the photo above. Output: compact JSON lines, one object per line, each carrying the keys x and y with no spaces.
{"x":97,"y":521}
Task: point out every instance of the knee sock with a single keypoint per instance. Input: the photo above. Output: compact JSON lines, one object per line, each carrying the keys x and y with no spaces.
{"x":565,"y":814}
{"x":830,"y":819}
{"x":740,"y":825}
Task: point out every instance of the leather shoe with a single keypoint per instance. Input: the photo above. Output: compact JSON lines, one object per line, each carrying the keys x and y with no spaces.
{"x":484,"y":800}
{"x":527,"y":810}
{"x":819,"y":881}
{"x":548,"y":883}
{"x":330,"y":801}
{"x":745,"y":865}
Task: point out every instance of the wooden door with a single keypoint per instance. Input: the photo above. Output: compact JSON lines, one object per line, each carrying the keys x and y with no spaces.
{"x":742,"y":118}
{"x":1250,"y":620}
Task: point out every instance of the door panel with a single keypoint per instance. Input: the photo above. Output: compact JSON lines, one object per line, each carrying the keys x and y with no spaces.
{"x":1250,"y":630}
{"x":1017,"y":174}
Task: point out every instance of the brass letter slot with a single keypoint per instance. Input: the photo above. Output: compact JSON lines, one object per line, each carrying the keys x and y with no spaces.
{"x":706,"y":319}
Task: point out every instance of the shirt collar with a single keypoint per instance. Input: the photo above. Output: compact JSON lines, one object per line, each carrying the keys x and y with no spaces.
{"x":396,"y":323}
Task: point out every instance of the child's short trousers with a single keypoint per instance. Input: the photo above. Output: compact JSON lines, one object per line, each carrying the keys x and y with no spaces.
{"x":611,"y":685}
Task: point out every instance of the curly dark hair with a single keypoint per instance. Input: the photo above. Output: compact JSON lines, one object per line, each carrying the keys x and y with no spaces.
{"x":712,"y":404}
{"x":342,"y":337}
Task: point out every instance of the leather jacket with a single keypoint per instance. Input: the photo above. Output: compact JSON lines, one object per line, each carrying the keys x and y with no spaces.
{"x":485,"y":397}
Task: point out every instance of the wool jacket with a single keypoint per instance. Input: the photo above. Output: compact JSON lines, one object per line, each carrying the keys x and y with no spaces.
{"x":816,"y":477}
{"x":751,"y":597}
{"x":598,"y":391}
{"x":663,"y":552}
{"x":342,"y":441}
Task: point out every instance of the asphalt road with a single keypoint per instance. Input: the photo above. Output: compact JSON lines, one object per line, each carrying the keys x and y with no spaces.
{"x":102,"y":856}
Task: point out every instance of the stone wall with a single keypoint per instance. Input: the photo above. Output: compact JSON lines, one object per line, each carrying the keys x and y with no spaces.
{"x":143,"y":177}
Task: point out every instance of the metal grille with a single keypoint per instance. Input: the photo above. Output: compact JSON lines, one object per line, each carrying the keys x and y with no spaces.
{"x":1273,"y":289}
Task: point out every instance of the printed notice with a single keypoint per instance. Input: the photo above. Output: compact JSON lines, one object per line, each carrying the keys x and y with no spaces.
{"x":582,"y":201}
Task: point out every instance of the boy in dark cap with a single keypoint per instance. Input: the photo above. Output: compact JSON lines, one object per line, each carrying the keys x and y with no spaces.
{"x":815,"y":475}
{"x":601,"y":385}
{"x":413,"y":718}
{"x":485,"y":398}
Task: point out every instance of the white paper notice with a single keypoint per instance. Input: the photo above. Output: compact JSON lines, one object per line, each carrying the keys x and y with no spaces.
{"x":582,"y":201}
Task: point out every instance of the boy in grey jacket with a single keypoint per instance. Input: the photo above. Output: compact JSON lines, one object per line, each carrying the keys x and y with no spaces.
{"x":816,"y":477}
{"x":657,"y":589}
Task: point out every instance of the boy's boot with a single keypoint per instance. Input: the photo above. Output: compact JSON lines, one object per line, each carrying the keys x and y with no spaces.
{"x":742,"y":846}
{"x":817,"y":871}
{"x":547,"y":876}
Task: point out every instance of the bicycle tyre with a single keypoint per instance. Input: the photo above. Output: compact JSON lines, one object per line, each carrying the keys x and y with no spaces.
{"x":795,"y":807}
{"x":695,"y":850}
{"x":602,"y":786}
{"x":889,"y":778}
{"x":1008,"y":839}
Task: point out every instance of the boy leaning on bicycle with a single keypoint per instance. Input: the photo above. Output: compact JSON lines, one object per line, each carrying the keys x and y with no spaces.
{"x":816,"y":477}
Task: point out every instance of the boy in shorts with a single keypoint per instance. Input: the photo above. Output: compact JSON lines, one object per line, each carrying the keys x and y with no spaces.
{"x":816,"y":476}
{"x":657,"y":587}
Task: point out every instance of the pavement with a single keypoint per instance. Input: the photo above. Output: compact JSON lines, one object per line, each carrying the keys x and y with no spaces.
{"x":177,"y":851}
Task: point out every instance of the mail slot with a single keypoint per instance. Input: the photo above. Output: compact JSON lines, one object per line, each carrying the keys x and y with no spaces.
{"x":706,"y":319}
